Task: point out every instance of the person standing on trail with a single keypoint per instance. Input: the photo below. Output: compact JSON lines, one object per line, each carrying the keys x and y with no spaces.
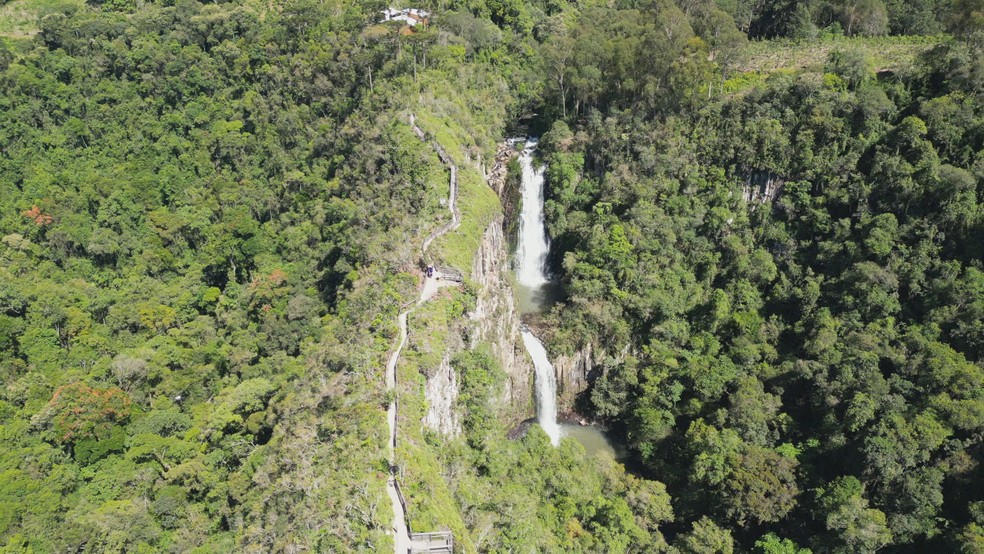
{"x":430,"y":270}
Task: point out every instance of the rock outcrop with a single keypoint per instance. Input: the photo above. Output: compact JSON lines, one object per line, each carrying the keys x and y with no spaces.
{"x":761,"y":187}
{"x":496,"y":177}
{"x":574,"y":373}
{"x":496,"y":320}
{"x":441,"y":393}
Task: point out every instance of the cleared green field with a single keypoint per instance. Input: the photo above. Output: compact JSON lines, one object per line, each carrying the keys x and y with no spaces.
{"x":887,"y":53}
{"x":21,"y":18}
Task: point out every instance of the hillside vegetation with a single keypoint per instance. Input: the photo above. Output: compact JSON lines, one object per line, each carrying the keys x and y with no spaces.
{"x":787,"y":281}
{"x":211,"y":215}
{"x":21,"y":19}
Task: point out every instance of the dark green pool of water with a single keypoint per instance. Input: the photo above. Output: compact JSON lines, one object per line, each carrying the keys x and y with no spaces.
{"x":593,"y":439}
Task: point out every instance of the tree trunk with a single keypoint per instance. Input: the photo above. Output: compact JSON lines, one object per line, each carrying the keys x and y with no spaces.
{"x":563,"y":96}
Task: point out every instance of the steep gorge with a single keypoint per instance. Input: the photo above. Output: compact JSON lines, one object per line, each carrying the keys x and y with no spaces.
{"x":494,"y":319}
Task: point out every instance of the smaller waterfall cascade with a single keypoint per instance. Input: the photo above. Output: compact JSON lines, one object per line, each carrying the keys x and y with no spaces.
{"x":546,"y":387}
{"x":531,"y":253}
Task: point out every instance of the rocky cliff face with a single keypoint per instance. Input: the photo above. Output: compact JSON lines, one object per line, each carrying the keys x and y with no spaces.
{"x":574,"y":374}
{"x":441,"y":394}
{"x":496,"y":321}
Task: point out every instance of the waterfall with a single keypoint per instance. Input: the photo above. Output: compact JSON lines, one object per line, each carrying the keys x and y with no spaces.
{"x":546,"y":387}
{"x":531,"y":272}
{"x":531,"y":254}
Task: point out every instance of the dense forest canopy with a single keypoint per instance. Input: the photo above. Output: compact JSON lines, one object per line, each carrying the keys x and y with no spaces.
{"x":203,"y":208}
{"x":788,"y":275}
{"x":209,"y":219}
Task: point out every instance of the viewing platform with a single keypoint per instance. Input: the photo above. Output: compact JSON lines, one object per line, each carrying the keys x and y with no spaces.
{"x":439,"y":542}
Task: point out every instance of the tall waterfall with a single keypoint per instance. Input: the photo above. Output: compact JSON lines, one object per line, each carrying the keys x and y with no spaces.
{"x":531,"y":272}
{"x":531,"y":253}
{"x":546,"y":387}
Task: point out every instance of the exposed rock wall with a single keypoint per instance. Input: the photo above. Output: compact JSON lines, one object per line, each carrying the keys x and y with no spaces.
{"x":761,"y":187}
{"x":574,"y":374}
{"x":441,"y":394}
{"x":496,"y":177}
{"x":496,"y":320}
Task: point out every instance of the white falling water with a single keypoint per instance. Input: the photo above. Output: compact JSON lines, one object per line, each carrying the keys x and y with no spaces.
{"x":531,"y":253}
{"x":531,"y":271}
{"x":546,"y":387}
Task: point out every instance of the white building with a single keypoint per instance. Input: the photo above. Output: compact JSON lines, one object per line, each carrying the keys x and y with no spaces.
{"x":409,"y":16}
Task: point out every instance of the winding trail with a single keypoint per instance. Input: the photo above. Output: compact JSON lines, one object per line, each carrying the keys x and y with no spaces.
{"x":452,"y":192}
{"x":401,"y":537}
{"x":403,"y":540}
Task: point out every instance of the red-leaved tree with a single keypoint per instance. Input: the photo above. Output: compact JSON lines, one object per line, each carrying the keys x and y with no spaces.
{"x":77,"y":411}
{"x":40,"y":218}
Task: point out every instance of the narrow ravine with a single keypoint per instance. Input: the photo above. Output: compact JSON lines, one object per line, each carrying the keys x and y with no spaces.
{"x":532,"y":248}
{"x":403,"y":541}
{"x":536,"y":291}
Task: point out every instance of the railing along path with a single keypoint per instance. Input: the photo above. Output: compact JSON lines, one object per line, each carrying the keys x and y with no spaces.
{"x":406,"y":541}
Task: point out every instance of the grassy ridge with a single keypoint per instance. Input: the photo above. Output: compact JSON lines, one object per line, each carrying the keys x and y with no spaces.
{"x":477,"y":203}
{"x":431,"y":506}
